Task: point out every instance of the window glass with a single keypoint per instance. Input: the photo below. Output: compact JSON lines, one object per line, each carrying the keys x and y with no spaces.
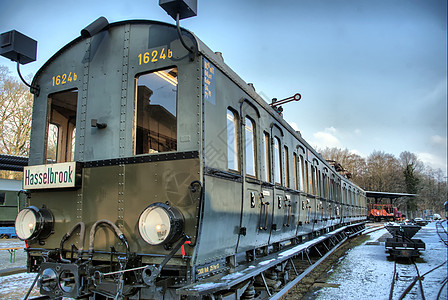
{"x":61,"y":126}
{"x":2,"y":198}
{"x":267,"y":157}
{"x":302,"y":178}
{"x":326,"y":190}
{"x":73,"y":144}
{"x":277,"y":162}
{"x":330,"y":188}
{"x":232,"y":141}
{"x":52,"y":142}
{"x":250,"y":147}
{"x":307,"y":180}
{"x":319,"y":183}
{"x":286,"y":155}
{"x":156,"y":112}
{"x":313,"y":180}
{"x":296,"y":170}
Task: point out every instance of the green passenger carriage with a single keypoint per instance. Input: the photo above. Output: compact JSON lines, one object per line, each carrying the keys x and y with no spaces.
{"x":154,"y":167}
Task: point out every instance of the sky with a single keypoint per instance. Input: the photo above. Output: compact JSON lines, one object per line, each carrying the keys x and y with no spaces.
{"x":372,"y":74}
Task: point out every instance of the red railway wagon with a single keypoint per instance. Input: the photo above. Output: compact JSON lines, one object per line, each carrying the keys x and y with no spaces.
{"x":378,"y":212}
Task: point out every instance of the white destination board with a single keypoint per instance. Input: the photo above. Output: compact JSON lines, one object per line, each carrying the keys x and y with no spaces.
{"x":60,"y":175}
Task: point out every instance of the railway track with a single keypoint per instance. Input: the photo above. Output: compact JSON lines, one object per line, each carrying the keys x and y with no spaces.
{"x":304,"y":282}
{"x":300,"y":270}
{"x":441,"y":231}
{"x":402,"y":272}
{"x":267,"y":284}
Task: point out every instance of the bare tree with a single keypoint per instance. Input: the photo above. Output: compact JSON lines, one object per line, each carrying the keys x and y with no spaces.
{"x":15,"y":115}
{"x":15,"y":118}
{"x":350,"y":161}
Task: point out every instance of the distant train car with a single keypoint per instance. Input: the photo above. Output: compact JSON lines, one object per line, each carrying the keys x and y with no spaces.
{"x":11,"y":201}
{"x":153,"y":166}
{"x":381,"y":212}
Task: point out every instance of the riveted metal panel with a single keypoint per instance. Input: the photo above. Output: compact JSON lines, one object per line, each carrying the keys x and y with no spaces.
{"x":164,"y":182}
{"x":220,"y":221}
{"x":253,"y":219}
{"x":65,"y":209}
{"x":106,"y":66}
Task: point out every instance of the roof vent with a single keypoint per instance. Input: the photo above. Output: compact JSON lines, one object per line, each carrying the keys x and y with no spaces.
{"x":220,"y":56}
{"x":252,"y":86}
{"x":96,"y":26}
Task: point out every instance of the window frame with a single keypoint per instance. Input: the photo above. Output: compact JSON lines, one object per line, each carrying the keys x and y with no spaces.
{"x":277,"y":161}
{"x":150,"y":150}
{"x":286,"y":162}
{"x":267,"y":156}
{"x":248,"y":119}
{"x":64,"y":123}
{"x":235,"y":145}
{"x":295,"y":170}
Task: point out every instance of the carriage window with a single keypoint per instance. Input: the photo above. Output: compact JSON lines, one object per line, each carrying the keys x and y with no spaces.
{"x":61,"y":126}
{"x":267,"y":157}
{"x":307,"y":180}
{"x":52,"y":142}
{"x":2,"y":198}
{"x":156,"y":112}
{"x":277,"y":162}
{"x":318,"y":183}
{"x":313,"y":180}
{"x":250,"y":147}
{"x":325,"y":185}
{"x":296,"y":179}
{"x":301,"y":174}
{"x":232,"y":141}
{"x":286,"y":167}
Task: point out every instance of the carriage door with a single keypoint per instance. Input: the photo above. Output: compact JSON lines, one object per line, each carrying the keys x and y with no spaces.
{"x":253,"y":229}
{"x":278,"y":231}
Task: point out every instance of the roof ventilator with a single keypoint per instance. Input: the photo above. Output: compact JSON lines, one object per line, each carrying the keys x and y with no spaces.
{"x":96,"y":26}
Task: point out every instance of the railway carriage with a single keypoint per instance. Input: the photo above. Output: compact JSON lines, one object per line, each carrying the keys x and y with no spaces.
{"x":11,"y":201}
{"x":154,"y":166}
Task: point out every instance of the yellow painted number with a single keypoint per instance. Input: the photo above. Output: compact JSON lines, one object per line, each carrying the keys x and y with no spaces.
{"x":64,"y":78}
{"x":154,"y":56}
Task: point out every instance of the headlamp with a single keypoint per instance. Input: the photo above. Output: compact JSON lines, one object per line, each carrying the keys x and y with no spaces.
{"x":160,"y":224}
{"x":34,"y":223}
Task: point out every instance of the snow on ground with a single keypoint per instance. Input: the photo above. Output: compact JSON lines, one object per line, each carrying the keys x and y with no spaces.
{"x":16,"y":286}
{"x":5,"y":255}
{"x":366,"y":273}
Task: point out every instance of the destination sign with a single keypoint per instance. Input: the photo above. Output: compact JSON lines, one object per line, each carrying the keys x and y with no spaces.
{"x":62,"y":175}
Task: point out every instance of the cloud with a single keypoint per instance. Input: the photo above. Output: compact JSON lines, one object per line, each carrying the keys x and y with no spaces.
{"x":294,"y":126}
{"x":326,"y":138}
{"x":331,"y":130}
{"x":357,"y":152}
{"x":438,"y":140}
{"x":433,"y":161}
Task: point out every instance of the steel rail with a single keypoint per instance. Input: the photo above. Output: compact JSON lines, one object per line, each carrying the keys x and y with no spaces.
{"x":391,"y":292}
{"x":440,"y":231}
{"x":420,"y":279}
{"x":441,"y":288}
{"x":291,"y":284}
